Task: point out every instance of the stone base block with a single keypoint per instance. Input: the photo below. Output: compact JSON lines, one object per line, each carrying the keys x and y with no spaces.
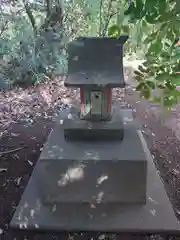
{"x":93,"y":172}
{"x":85,"y":130}
{"x":156,"y":216}
{"x":81,"y":130}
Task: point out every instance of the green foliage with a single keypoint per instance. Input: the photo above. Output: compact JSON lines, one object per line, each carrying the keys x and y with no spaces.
{"x":114,"y":31}
{"x":154,"y":26}
{"x":32,"y":46}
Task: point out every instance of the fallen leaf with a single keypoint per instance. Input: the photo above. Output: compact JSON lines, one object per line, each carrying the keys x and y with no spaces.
{"x":54,"y":208}
{"x":145,"y":133}
{"x":18,"y":180}
{"x":102,"y":236}
{"x":176,"y":172}
{"x":11,"y":151}
{"x":31,"y":163}
{"x":15,"y":134}
{"x":3,"y":170}
{"x":32,"y":212}
{"x":177,"y":211}
{"x":153,"y":212}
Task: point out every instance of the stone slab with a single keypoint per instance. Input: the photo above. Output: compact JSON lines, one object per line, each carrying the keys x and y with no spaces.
{"x":156,"y":216}
{"x":96,"y":79}
{"x":78,"y":129}
{"x":85,"y":131}
{"x":117,"y":173}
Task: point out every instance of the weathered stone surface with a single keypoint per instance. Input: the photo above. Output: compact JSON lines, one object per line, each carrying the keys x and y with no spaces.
{"x":93,"y":171}
{"x":93,"y":131}
{"x":80,"y":131}
{"x":77,"y":129}
{"x":96,"y":61}
{"x":156,"y":216}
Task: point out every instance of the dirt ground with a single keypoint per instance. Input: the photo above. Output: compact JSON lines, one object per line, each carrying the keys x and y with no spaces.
{"x":26,"y":119}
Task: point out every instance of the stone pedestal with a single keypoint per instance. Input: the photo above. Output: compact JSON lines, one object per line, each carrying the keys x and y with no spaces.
{"x":91,"y":172}
{"x":88,"y":185}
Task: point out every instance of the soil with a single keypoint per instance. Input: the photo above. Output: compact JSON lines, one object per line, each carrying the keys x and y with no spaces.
{"x":27,"y":118}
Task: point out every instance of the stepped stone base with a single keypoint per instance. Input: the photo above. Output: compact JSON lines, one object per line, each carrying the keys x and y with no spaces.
{"x":156,"y":216}
{"x":76,"y":129}
{"x":93,"y":172}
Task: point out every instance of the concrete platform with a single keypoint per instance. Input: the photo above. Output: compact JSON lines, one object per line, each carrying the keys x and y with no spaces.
{"x":156,"y":216}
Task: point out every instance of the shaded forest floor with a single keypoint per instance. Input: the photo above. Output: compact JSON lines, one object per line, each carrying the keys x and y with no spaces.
{"x":27,"y":117}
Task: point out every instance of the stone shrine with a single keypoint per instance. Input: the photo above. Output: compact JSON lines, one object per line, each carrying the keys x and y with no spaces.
{"x":95,"y":172}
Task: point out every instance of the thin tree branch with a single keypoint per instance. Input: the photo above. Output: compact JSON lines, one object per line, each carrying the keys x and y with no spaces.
{"x":3,"y":28}
{"x":56,"y":16}
{"x":11,"y":151}
{"x":67,"y":15}
{"x":107,"y":19}
{"x":49,"y":7}
{"x":129,"y":2}
{"x":107,"y":23}
{"x":100,"y":17}
{"x":30,"y":16}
